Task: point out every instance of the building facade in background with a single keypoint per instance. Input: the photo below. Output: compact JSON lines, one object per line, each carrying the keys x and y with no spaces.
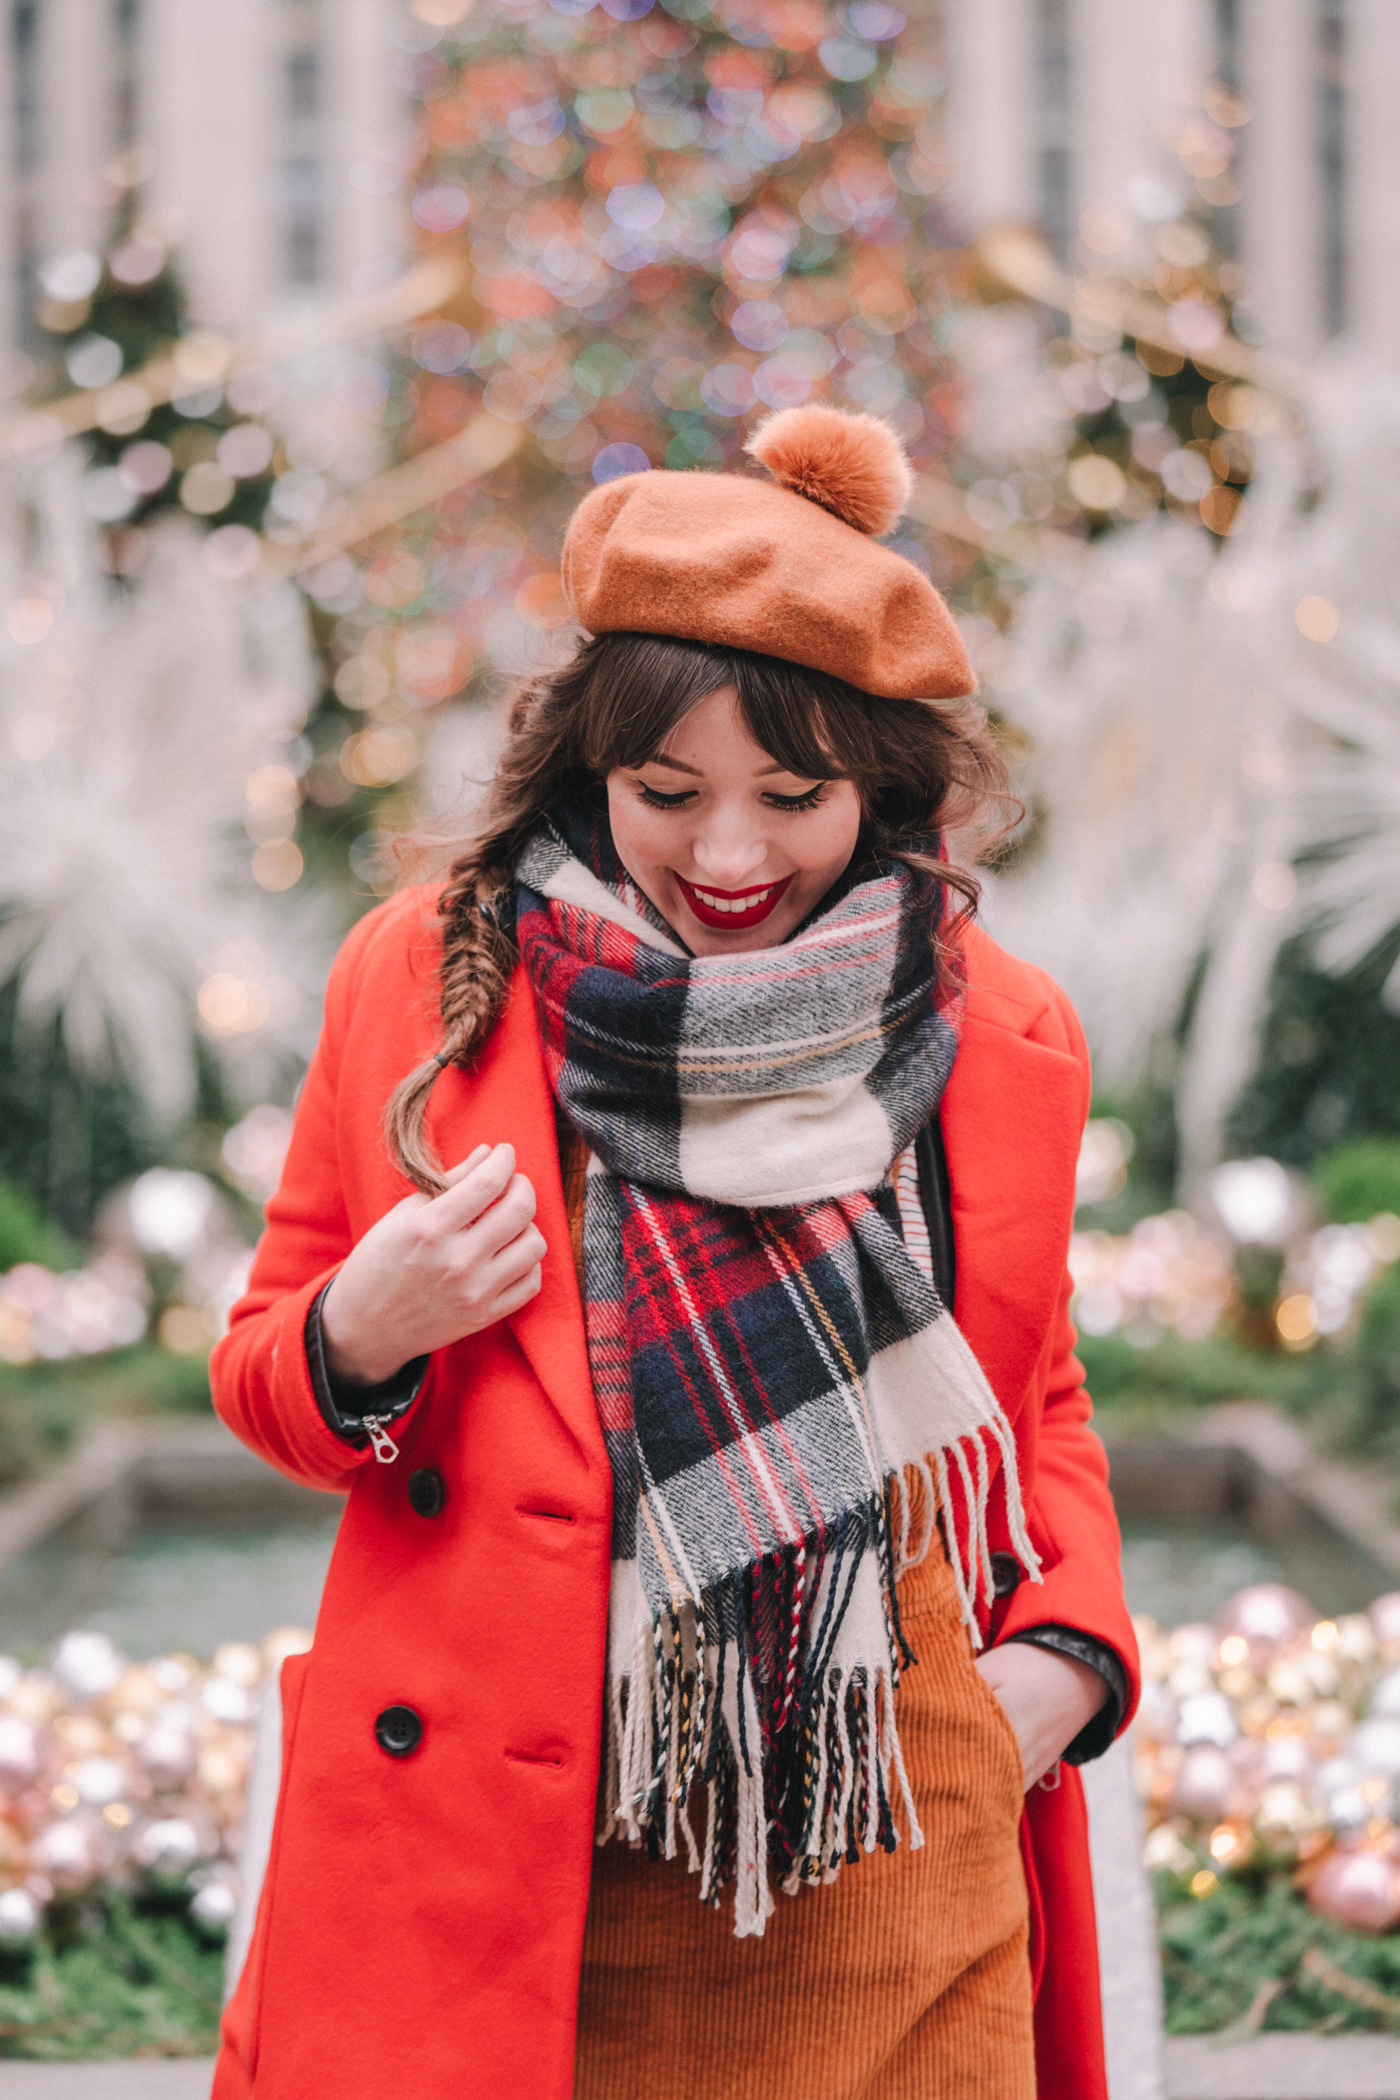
{"x":1275,"y":118}
{"x":271,"y":137}
{"x":267,"y":138}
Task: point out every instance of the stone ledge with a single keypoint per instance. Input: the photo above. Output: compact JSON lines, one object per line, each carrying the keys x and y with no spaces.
{"x":137,"y":2078}
{"x":184,"y":1467}
{"x":1284,"y":2067}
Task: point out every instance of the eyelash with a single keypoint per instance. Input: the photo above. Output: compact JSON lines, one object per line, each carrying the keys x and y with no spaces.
{"x":792,"y":804}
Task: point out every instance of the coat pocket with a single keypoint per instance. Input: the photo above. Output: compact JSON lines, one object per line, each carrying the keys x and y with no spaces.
{"x":1001,"y":1723}
{"x":930,"y":1614}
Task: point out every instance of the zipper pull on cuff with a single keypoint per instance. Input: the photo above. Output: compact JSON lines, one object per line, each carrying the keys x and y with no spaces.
{"x":385,"y":1449}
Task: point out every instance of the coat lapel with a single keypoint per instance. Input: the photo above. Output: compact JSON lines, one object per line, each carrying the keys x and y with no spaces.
{"x":506,"y":1099}
{"x":1012,"y":1115}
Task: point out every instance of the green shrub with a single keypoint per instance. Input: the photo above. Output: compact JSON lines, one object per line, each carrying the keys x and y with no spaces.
{"x":26,"y":1234}
{"x":1359,"y":1179}
{"x":1252,"y":1955}
{"x":1176,"y":1373}
{"x":1376,"y":1360}
{"x":122,"y":1979}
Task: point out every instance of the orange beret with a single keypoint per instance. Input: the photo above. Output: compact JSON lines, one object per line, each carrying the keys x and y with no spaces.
{"x":786,"y":567}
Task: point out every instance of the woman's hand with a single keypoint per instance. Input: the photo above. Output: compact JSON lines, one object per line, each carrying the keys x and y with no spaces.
{"x":434,"y":1269}
{"x":1048,"y":1699}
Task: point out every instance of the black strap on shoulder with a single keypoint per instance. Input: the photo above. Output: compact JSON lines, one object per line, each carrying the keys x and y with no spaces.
{"x":936,"y":1196}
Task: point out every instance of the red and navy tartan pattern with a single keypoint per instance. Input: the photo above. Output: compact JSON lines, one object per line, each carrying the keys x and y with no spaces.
{"x":730,"y":1345}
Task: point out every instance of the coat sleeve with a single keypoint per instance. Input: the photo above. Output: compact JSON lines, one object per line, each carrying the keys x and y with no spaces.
{"x":258,"y":1373}
{"x":1083,"y":1586}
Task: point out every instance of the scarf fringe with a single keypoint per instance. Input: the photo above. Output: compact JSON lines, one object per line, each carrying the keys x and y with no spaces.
{"x":969,"y":1554}
{"x":798,"y":1751}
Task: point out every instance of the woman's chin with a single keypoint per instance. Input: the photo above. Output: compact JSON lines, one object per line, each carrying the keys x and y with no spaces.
{"x":710,"y":941}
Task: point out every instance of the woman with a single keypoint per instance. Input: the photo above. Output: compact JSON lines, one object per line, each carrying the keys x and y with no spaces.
{"x":619,"y":1227}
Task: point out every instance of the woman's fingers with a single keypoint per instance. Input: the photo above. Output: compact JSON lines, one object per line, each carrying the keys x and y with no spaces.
{"x":435,"y":1270}
{"x":519,"y":1293}
{"x":484,"y":1180}
{"x":498,"y":1226}
{"x":465,"y":1166}
{"x":526,"y":1251}
{"x":484,"y":1279}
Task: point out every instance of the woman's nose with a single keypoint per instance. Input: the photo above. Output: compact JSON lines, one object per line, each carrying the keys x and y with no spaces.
{"x":729,"y":854}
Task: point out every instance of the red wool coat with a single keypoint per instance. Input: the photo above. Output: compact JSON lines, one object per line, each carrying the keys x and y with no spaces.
{"x":421,"y":1920}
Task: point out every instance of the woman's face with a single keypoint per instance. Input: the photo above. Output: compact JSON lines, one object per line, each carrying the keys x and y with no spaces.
{"x":733,"y":850}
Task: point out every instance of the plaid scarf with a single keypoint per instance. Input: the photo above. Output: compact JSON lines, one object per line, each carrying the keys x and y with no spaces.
{"x":766,"y":1357}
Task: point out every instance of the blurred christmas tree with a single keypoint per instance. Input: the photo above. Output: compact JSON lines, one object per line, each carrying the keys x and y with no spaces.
{"x":104,"y":318}
{"x":669,"y":220}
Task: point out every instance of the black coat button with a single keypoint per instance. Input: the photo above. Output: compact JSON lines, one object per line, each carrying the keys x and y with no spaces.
{"x":427,"y":1491}
{"x":1006,"y":1574}
{"x":399,"y":1730}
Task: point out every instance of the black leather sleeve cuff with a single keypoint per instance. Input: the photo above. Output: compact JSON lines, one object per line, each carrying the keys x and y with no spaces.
{"x":1094,"y":1738}
{"x":345,"y":1407}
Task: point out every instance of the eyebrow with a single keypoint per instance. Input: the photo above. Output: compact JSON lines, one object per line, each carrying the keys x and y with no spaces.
{"x":677,"y":765}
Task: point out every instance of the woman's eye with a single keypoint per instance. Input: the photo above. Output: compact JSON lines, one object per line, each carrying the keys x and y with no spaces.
{"x":654,"y":799}
{"x":809,"y":800}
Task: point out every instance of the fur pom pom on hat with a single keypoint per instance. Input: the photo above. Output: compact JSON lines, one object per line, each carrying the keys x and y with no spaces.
{"x":853,"y":466}
{"x":788,"y":567}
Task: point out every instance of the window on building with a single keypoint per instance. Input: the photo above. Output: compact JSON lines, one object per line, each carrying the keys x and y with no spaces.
{"x":303,"y":178}
{"x":1331,"y":135}
{"x":1227,"y":44}
{"x":19,"y":140}
{"x":126,"y":95}
{"x":1053,"y":114}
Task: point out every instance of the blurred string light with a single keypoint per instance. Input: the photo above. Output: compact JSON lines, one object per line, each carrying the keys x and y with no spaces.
{"x":1169,"y":1273}
{"x":85,"y":1312}
{"x":1328,"y":1274}
{"x":254,"y":1150}
{"x":182,"y":1226}
{"x":1259,"y":1201}
{"x":1105,"y":1151}
{"x":1173,"y":1273}
{"x":1166,"y":396}
{"x":202,"y":363}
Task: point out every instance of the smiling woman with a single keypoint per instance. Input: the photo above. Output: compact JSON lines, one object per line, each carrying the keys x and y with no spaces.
{"x":722,"y":1223}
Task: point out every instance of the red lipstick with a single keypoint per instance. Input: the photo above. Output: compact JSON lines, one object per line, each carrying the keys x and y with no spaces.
{"x":726,"y":910}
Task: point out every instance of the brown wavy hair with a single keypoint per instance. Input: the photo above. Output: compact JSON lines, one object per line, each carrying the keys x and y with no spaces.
{"x":920,"y":768}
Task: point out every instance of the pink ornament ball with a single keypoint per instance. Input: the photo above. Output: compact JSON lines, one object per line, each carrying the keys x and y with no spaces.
{"x":72,"y":1853}
{"x":1270,"y":1616}
{"x":168,"y":1751}
{"x":1359,"y":1889}
{"x":1204,"y":1784}
{"x":21,"y":1753}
